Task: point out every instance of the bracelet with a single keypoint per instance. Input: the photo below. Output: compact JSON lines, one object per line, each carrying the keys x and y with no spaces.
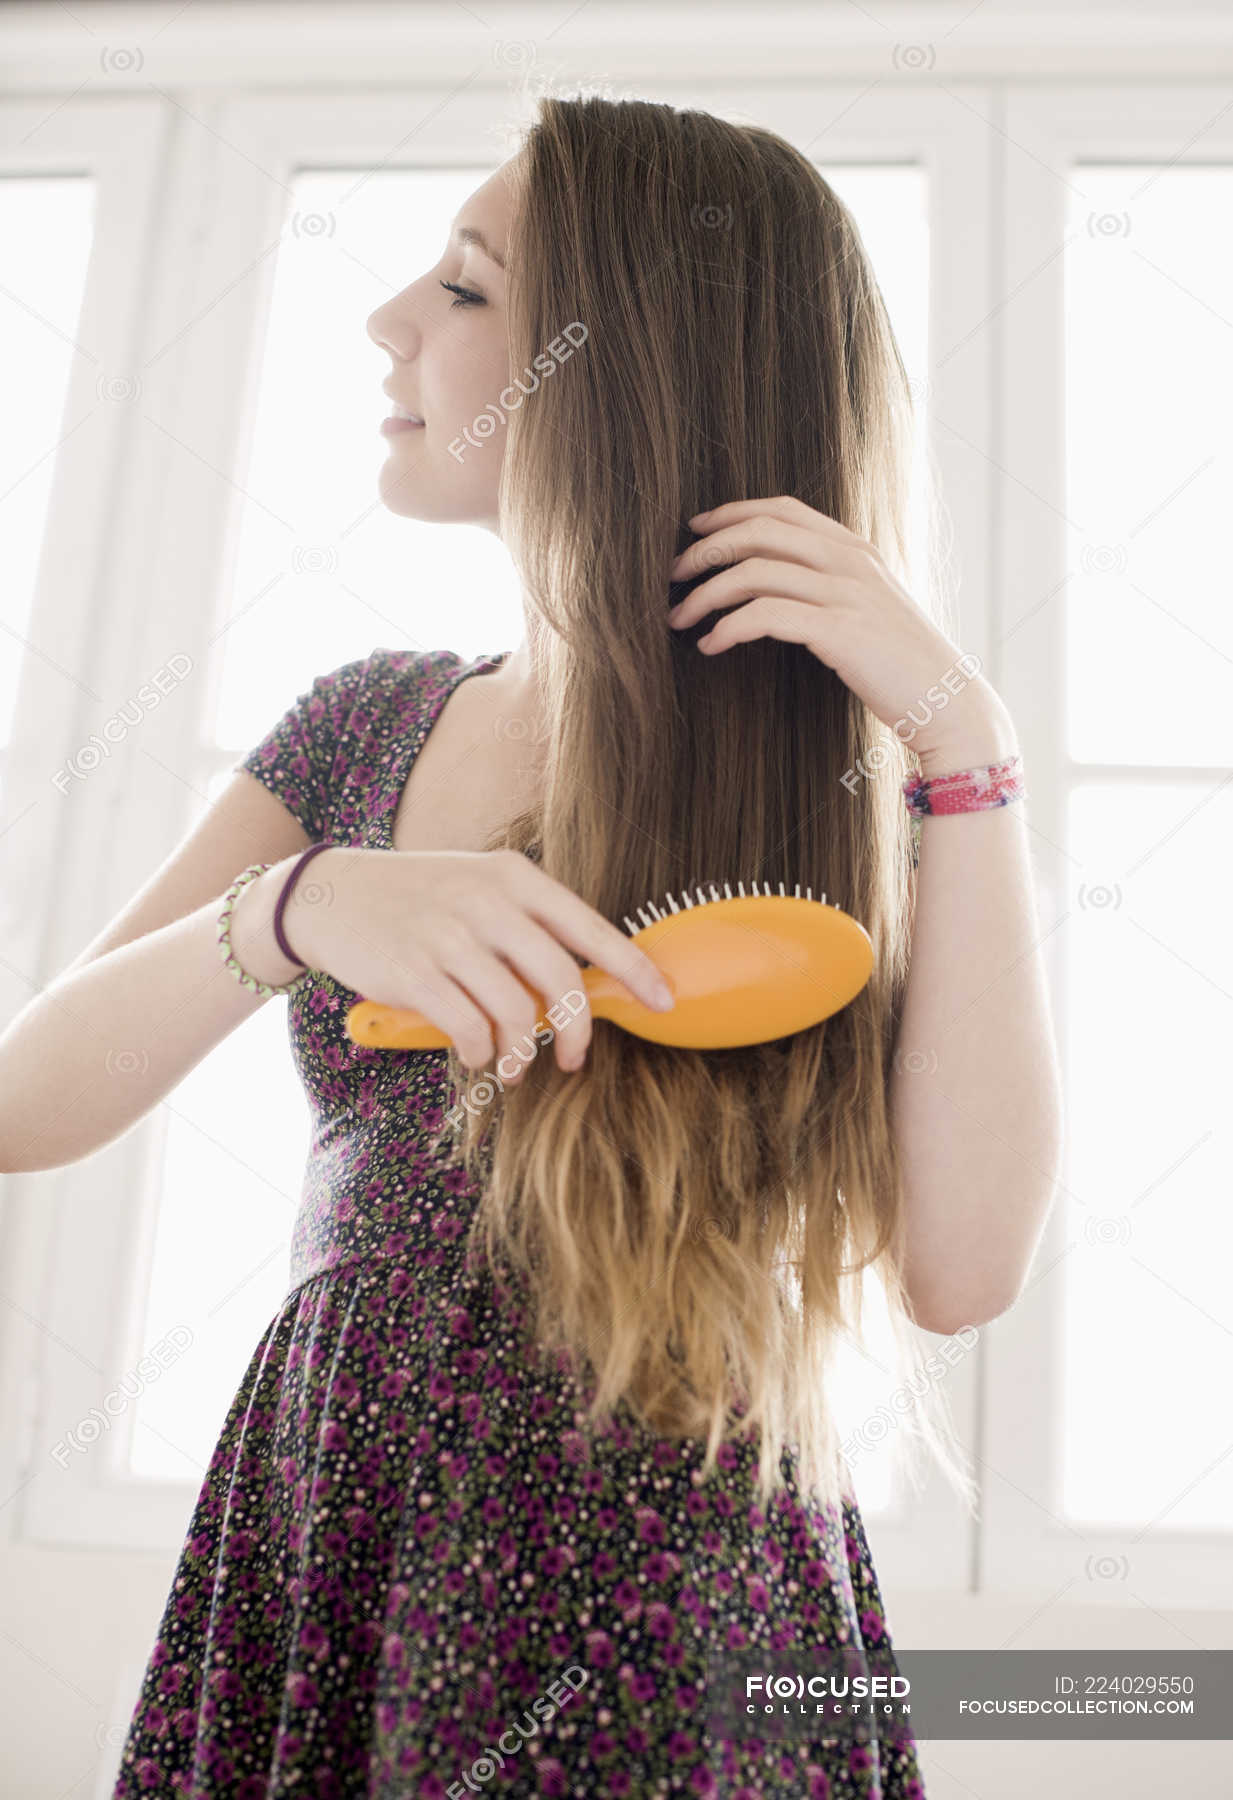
{"x":224,"y":940}
{"x":966,"y":790}
{"x":279,"y":935}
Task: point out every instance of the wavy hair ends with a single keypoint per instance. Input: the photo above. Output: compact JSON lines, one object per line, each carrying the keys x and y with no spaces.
{"x":689,"y":1227}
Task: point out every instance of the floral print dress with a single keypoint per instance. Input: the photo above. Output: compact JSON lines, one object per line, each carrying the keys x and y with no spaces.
{"x":408,"y":1574}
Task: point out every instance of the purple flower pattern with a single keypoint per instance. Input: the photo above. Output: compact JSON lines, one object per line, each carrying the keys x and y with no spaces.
{"x":409,"y":1573}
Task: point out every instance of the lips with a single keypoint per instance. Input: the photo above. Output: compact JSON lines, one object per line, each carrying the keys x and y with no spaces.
{"x":400,"y":411}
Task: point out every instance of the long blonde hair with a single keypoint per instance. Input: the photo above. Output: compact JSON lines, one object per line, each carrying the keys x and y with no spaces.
{"x":689,"y":1224}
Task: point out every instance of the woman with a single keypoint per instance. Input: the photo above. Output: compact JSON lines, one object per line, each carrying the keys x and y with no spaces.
{"x":542,"y":1428}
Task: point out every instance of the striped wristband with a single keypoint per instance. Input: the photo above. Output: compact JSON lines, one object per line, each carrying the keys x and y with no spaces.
{"x":966,"y":790}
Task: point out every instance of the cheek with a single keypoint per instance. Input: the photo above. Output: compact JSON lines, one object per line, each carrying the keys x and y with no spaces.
{"x":462,"y":373}
{"x":482,"y":371}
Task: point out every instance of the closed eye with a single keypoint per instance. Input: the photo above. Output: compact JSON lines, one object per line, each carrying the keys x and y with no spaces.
{"x":466,"y":296}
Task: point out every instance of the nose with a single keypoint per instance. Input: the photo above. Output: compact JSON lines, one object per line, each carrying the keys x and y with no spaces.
{"x":391,"y":326}
{"x":378,"y":328}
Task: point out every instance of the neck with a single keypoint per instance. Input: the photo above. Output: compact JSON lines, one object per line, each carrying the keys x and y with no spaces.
{"x":509,"y":698}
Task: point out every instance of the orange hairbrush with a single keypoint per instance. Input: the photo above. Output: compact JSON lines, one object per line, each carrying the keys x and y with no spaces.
{"x":744,"y":969}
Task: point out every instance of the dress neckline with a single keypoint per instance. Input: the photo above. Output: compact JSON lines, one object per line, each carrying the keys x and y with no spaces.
{"x":415,"y":740}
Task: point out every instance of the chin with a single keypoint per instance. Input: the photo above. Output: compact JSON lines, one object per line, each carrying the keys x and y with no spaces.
{"x":412,"y":493}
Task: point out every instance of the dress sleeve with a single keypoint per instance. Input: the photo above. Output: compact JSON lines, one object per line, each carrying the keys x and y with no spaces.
{"x":303,"y":758}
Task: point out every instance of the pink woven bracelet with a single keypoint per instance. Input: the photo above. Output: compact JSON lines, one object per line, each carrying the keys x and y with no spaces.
{"x":966,"y":790}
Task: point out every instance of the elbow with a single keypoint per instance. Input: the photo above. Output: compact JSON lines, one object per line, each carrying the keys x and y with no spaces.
{"x":25,"y":1161}
{"x":40,"y":1151}
{"x":948,"y":1314}
{"x":12,"y":1155}
{"x":981,"y":1284}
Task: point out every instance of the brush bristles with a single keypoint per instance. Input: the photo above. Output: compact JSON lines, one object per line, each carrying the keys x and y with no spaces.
{"x":756,"y":891}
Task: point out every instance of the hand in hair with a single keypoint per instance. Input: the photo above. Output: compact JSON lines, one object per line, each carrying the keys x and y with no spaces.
{"x":794,"y":573}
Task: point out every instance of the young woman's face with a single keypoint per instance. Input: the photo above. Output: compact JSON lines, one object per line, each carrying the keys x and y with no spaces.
{"x":450,"y":361}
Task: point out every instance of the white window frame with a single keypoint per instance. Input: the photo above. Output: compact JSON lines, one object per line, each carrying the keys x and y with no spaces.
{"x":1027,"y":1547}
{"x":191,"y":218}
{"x":56,"y":1348}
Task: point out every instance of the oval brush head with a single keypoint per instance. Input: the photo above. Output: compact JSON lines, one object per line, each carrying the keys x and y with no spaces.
{"x":744,"y":968}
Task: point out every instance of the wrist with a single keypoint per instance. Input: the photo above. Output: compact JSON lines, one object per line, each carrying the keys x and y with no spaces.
{"x":308,"y":912}
{"x":253,"y":943}
{"x":981,"y":734}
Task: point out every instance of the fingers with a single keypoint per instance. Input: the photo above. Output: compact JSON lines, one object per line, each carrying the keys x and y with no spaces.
{"x":511,"y":1009}
{"x":595,"y":938}
{"x":602,"y":944}
{"x":495,"y":964}
{"x":519,"y":973}
{"x":453,"y":1011}
{"x":539,"y":960}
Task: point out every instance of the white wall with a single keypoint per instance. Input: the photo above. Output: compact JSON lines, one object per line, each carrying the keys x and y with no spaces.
{"x":80,"y":1624}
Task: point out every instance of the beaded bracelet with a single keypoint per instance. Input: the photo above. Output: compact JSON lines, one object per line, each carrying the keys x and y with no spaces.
{"x":966,"y":790}
{"x":224,"y":940}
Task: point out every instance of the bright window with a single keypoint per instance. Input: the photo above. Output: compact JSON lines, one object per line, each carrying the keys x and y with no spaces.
{"x":46,"y":229}
{"x":1149,"y":300}
{"x":227,"y":1180}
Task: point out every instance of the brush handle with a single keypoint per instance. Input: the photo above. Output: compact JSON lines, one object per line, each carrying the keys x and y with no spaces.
{"x":402,"y":1028}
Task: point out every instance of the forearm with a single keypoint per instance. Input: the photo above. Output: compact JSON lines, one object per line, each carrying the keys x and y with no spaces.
{"x":97,"y":1049}
{"x":975,"y":1092}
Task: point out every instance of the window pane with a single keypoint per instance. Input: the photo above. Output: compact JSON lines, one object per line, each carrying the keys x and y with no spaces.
{"x":46,"y":230}
{"x":225,"y":1195}
{"x":228,"y":1189}
{"x":322,"y":574}
{"x":890,"y":206}
{"x":1149,"y":367}
{"x":869,"y":1402}
{"x":1149,"y":1338}
{"x":323,"y":571}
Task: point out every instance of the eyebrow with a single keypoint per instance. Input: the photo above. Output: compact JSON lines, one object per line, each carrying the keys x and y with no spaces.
{"x":466,"y":234}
